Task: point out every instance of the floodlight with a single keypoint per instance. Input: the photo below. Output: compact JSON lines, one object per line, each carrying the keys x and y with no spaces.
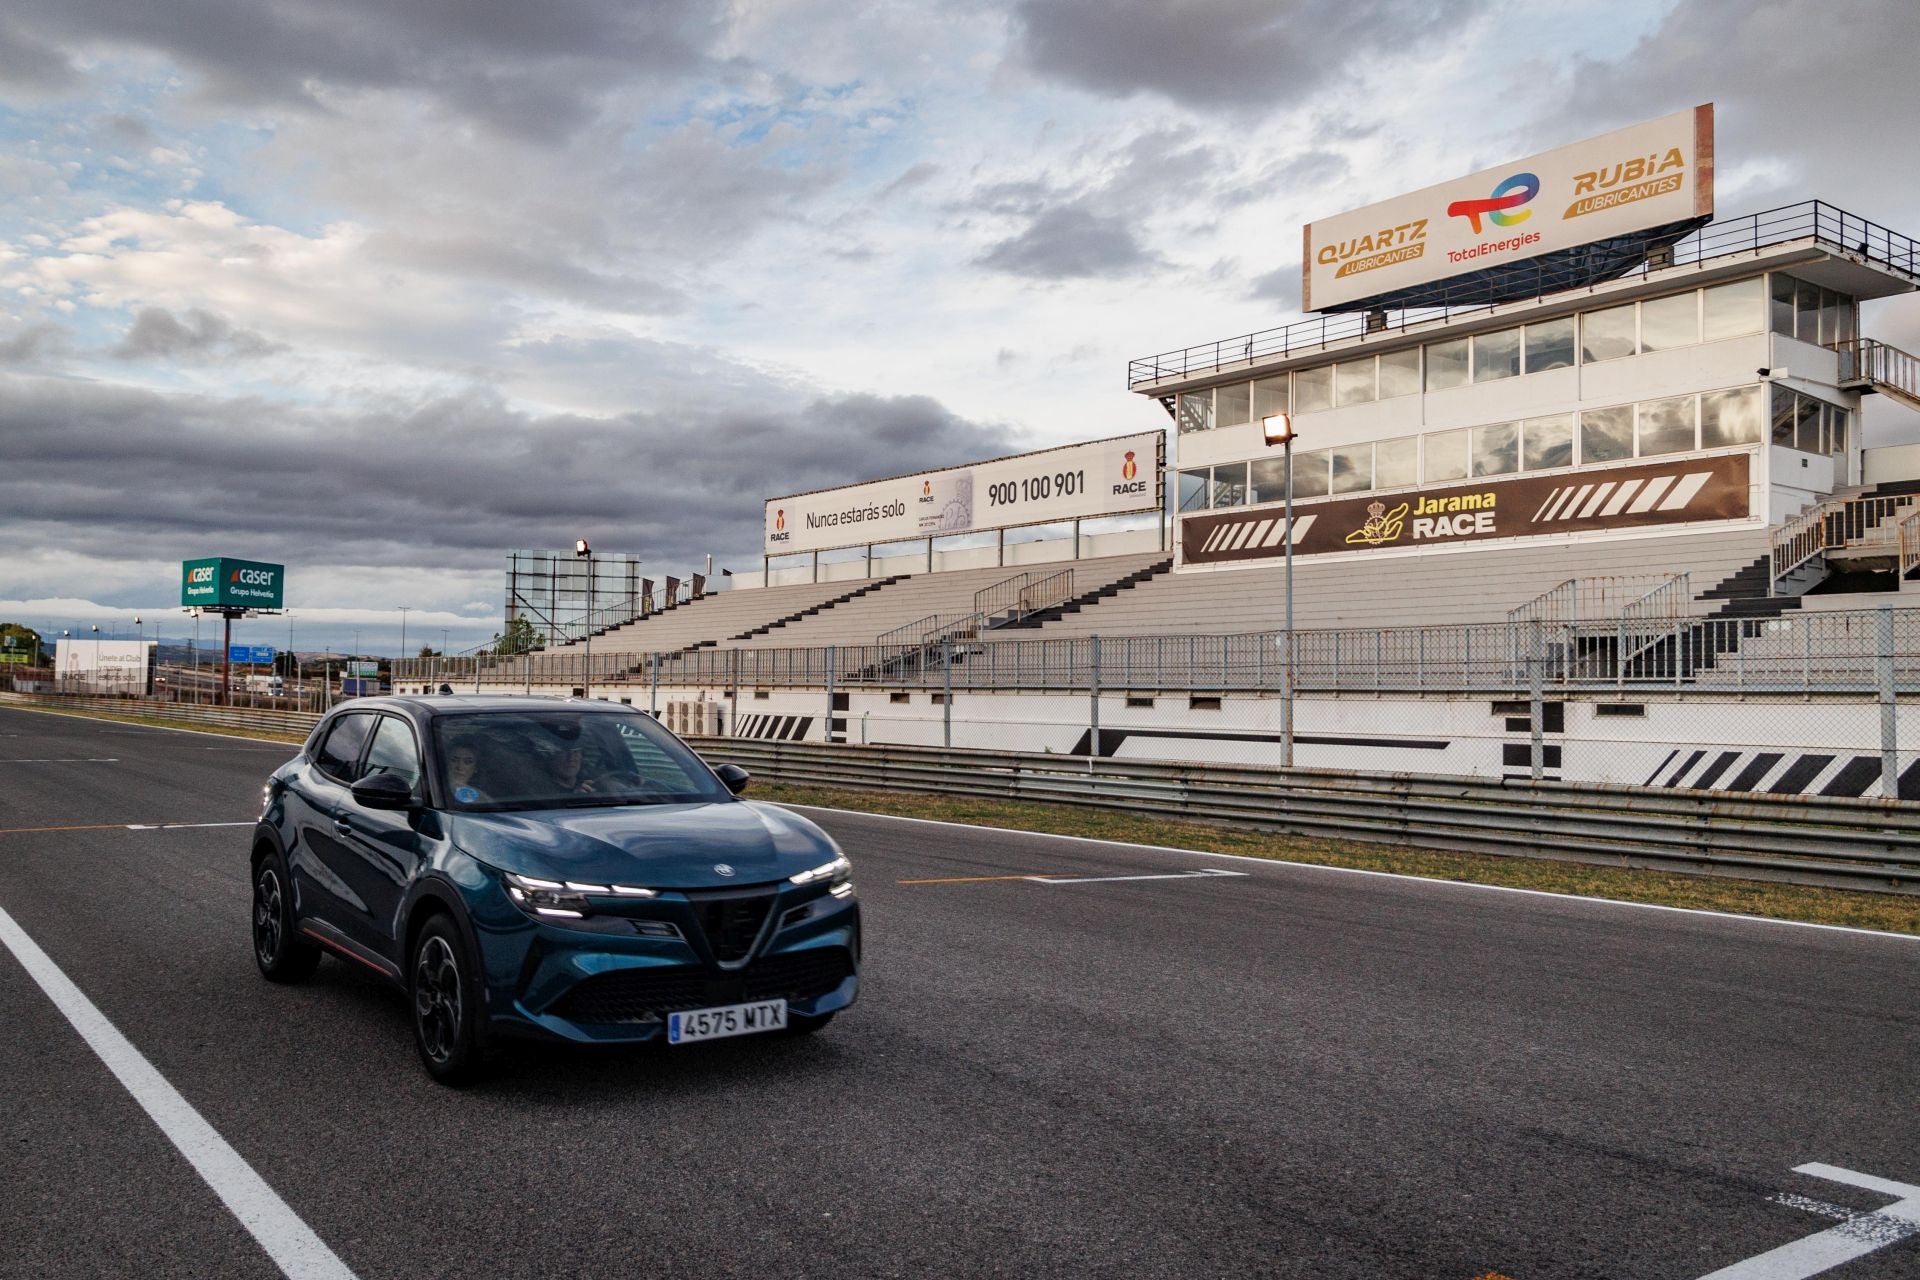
{"x":1279,"y":429}
{"x":580,"y":547}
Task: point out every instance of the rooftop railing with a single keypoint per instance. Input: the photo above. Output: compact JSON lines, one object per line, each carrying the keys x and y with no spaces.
{"x":1812,"y":219}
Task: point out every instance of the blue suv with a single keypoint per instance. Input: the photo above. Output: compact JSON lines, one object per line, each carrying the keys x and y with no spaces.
{"x":567,"y":870}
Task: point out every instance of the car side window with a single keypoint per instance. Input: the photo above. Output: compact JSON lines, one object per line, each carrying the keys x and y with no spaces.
{"x":339,"y":755}
{"x":393,"y":749}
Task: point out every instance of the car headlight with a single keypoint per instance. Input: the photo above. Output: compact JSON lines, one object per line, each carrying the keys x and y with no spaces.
{"x":838,"y":869}
{"x":564,"y":899}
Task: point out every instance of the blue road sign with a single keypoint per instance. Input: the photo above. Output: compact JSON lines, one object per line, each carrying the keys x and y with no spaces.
{"x":251,"y":654}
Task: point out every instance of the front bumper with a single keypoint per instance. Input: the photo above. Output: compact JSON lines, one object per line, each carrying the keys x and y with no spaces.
{"x":604,"y":986}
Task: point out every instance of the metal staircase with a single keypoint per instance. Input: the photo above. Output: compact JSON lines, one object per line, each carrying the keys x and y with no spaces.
{"x":1876,"y":531}
{"x":1868,"y":365}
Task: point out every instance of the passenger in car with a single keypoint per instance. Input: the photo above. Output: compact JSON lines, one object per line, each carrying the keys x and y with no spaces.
{"x":464,"y":774}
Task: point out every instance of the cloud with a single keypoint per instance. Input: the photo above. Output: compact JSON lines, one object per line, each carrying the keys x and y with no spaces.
{"x":32,"y":67}
{"x":1280,"y":286}
{"x":1210,"y":54}
{"x":525,"y":70}
{"x":158,"y":334}
{"x":1069,"y":243}
{"x":441,"y":486}
{"x":1750,"y":57}
{"x":36,"y":346}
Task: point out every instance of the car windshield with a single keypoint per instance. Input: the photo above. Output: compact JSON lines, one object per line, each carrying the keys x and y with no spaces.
{"x":562,"y":758}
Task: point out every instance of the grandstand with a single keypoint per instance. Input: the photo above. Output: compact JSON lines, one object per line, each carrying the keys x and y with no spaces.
{"x":1642,"y":496}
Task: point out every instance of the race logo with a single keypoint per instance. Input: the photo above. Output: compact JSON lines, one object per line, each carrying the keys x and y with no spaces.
{"x":1511,"y":194}
{"x":780,"y":518}
{"x":1382,"y":526}
{"x":1129,"y":469}
{"x":1130,"y":481}
{"x":1641,"y":178}
{"x":926,"y":488}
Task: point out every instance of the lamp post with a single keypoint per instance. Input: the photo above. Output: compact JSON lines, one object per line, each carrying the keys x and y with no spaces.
{"x":581,"y":549}
{"x":1279,"y":430}
{"x":141,"y":629}
{"x":404,"y":610}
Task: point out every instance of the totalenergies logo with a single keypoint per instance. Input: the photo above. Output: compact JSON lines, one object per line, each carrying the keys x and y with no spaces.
{"x":1511,"y":194}
{"x":1129,"y":469}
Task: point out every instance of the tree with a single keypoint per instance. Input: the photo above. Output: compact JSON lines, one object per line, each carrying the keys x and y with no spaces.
{"x":428,"y":651}
{"x":520,"y":637}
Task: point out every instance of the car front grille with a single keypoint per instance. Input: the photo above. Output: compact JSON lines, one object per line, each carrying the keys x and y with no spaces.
{"x":731,"y":919}
{"x":640,"y":995}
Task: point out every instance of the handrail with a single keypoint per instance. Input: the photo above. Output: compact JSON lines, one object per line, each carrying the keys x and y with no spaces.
{"x":1596,"y":598}
{"x":1871,"y":360}
{"x":1811,"y":219}
{"x":990,"y":600}
{"x":930,"y":629}
{"x":1910,"y":543}
{"x":1839,"y":524}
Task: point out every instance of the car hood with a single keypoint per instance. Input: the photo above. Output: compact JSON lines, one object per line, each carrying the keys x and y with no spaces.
{"x":667,"y":846}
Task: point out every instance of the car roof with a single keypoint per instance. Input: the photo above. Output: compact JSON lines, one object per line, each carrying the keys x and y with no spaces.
{"x":424,"y":707}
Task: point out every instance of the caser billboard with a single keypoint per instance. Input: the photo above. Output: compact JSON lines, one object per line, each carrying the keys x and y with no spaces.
{"x":1645,"y":176}
{"x":219,"y":583}
{"x":1111,"y":477}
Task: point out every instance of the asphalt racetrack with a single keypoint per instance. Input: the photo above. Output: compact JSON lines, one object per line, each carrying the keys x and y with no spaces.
{"x":1227,"y":1068}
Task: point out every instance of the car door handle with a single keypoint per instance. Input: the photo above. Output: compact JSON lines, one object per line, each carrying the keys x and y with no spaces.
{"x":344,"y":827}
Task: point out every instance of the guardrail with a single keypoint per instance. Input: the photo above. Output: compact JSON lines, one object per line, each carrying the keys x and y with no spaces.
{"x":1858,"y":844}
{"x":226,"y":717}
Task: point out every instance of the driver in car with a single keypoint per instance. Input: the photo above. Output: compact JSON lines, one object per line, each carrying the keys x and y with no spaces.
{"x":568,"y":770}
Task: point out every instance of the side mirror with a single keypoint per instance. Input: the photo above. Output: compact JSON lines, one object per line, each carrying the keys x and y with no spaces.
{"x":734,"y":776}
{"x":383,"y":790}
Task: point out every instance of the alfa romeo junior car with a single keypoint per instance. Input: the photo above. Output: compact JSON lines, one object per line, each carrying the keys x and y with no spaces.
{"x":566,"y":870}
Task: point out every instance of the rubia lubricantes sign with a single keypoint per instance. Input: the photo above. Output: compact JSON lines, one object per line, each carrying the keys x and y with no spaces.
{"x":1646,"y":176}
{"x":1684,"y":490}
{"x":220,"y":583}
{"x":1110,"y":477}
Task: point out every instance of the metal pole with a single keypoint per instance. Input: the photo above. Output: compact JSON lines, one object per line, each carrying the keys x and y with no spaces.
{"x":829,"y":721}
{"x":946,"y":700}
{"x":1094,"y":753}
{"x":1537,"y":708}
{"x":1889,"y":741}
{"x":586,"y":685}
{"x":1286,"y":646}
{"x":653,"y":693}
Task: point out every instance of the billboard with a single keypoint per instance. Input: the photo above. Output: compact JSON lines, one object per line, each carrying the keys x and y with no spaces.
{"x":1074,"y":482}
{"x":1626,"y":497}
{"x":220,"y":583}
{"x":125,"y":665}
{"x":1633,"y":180}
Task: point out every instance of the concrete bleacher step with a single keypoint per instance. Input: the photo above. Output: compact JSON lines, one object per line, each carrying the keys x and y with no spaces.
{"x":1087,"y":599}
{"x":824,"y":605}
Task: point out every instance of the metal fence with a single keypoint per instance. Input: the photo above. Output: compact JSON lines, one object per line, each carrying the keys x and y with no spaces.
{"x":1831,"y":651}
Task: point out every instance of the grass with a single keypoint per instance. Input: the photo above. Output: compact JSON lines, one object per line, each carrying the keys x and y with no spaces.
{"x":1895,"y":913}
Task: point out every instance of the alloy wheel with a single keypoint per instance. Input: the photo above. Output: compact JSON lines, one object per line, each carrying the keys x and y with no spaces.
{"x":436,"y":998}
{"x":269,"y":919}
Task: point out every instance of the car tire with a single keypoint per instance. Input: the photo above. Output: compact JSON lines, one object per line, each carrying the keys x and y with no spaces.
{"x":441,"y":997}
{"x":280,"y":952}
{"x":797,"y":1025}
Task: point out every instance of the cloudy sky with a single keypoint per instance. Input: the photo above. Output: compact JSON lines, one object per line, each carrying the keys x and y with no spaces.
{"x":384,"y":290}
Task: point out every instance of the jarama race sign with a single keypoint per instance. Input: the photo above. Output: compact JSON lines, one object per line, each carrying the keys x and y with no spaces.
{"x":1636,"y":179}
{"x":1626,"y":497}
{"x":221,"y":583}
{"x":1074,"y":482}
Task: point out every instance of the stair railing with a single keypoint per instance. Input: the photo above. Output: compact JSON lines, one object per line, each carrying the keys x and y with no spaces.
{"x":1888,"y":368}
{"x":1837,"y":524}
{"x":1909,"y":543}
{"x":1656,"y":618}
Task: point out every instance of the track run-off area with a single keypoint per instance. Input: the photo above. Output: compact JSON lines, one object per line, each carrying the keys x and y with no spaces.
{"x":1069,"y":1058}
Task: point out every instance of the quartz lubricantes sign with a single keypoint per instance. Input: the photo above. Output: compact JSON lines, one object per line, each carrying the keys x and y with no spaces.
{"x":220,"y":583}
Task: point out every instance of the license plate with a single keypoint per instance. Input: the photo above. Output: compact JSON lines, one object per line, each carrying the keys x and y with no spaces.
{"x":729,"y":1020}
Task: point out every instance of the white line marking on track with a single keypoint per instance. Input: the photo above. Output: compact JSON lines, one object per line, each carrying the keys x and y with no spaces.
{"x":1361,"y":871}
{"x":176,"y":826}
{"x":66,"y":760}
{"x":1856,"y":1237}
{"x":290,"y":1242}
{"x":1206,"y":873}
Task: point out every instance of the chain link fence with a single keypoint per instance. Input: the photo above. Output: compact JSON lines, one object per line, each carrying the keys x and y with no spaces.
{"x":1815,"y":702}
